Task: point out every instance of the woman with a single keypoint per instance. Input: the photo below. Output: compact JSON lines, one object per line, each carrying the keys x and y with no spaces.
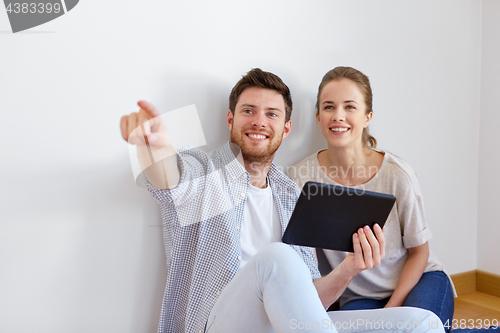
{"x":410,"y":274}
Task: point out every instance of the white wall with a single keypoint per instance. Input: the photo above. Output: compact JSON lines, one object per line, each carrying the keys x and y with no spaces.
{"x":488,"y":258}
{"x":80,"y":244}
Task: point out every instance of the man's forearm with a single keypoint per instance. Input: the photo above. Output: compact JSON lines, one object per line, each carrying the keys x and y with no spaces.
{"x":159,"y":166}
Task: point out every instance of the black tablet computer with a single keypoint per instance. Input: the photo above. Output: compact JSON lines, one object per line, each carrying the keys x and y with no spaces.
{"x":326,"y":216}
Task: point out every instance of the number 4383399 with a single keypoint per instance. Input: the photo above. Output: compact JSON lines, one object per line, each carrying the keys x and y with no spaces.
{"x":33,"y":8}
{"x":470,"y":323}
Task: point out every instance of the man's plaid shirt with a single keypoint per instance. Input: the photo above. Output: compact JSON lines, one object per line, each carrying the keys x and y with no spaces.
{"x":202,"y":217}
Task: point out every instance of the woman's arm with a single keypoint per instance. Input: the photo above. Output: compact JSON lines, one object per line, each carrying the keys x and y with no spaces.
{"x":410,"y":274}
{"x":369,"y":250}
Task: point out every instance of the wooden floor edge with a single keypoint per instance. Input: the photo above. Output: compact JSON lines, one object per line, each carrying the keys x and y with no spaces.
{"x":488,"y":283}
{"x":464,"y":282}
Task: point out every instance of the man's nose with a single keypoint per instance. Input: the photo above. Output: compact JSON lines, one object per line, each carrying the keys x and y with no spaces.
{"x":260,"y":120}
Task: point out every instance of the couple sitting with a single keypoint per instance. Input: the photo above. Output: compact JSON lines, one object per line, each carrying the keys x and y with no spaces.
{"x":224,"y":214}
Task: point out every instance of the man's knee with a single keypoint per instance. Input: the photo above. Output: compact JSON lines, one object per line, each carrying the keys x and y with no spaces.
{"x":278,"y":251}
{"x":282,"y":257}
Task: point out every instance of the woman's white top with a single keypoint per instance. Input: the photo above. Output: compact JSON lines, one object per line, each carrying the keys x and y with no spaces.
{"x":406,"y":225}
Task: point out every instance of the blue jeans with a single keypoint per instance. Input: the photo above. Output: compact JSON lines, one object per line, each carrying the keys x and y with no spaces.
{"x":274,"y":292}
{"x":433,"y":292}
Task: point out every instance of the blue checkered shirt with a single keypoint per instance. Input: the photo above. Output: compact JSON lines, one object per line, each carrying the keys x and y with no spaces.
{"x":202,"y":217}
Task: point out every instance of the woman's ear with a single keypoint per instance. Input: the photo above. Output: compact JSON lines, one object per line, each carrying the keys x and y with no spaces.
{"x":368,"y":118}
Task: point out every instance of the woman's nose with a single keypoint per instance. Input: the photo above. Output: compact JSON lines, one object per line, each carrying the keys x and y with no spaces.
{"x":338,"y":115}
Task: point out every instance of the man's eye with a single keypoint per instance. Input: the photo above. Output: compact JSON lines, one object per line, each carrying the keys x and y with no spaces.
{"x":247,"y":111}
{"x":272,"y":114}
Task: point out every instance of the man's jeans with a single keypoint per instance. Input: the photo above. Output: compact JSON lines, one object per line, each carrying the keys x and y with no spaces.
{"x":274,"y":292}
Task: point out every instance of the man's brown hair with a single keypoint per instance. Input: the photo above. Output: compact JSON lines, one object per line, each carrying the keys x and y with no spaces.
{"x":258,"y":78}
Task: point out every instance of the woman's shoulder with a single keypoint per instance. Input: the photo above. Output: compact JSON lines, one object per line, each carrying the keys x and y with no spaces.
{"x":397,"y":168}
{"x":309,"y":160}
{"x":305,"y":170}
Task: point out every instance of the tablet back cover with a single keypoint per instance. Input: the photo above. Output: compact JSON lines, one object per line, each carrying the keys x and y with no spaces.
{"x":327,"y":216}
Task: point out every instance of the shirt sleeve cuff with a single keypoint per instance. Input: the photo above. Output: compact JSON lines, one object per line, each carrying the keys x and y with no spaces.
{"x":167,"y":195}
{"x":417,"y":239}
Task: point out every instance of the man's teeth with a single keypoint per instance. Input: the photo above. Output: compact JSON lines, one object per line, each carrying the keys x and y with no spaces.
{"x":257,"y":136}
{"x":339,"y":129}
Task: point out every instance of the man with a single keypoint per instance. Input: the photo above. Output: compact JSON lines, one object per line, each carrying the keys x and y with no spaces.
{"x":224,"y":213}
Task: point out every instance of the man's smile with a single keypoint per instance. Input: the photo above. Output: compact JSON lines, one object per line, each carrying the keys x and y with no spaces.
{"x":257,"y":136}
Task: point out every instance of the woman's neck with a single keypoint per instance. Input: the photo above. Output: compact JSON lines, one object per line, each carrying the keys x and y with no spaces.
{"x":350,"y":166}
{"x":345,"y":157}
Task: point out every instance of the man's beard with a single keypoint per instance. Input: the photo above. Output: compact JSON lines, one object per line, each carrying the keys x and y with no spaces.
{"x":254,"y":154}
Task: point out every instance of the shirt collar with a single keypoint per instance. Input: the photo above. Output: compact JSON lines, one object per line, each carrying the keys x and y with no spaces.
{"x":275,"y":174}
{"x":233,"y":167}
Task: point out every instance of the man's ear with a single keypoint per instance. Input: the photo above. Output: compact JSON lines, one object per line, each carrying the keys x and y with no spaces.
{"x":287,"y":129}
{"x":230,"y":119}
{"x":368,"y":118}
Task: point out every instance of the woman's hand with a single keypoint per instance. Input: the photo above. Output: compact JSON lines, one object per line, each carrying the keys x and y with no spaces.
{"x":369,"y":250}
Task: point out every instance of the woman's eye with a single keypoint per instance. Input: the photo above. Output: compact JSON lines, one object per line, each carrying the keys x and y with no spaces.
{"x":350,"y":107}
{"x":329,"y":107}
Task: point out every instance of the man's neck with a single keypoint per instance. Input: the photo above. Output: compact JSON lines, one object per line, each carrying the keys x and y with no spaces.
{"x":258,"y":172}
{"x":257,"y":169}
